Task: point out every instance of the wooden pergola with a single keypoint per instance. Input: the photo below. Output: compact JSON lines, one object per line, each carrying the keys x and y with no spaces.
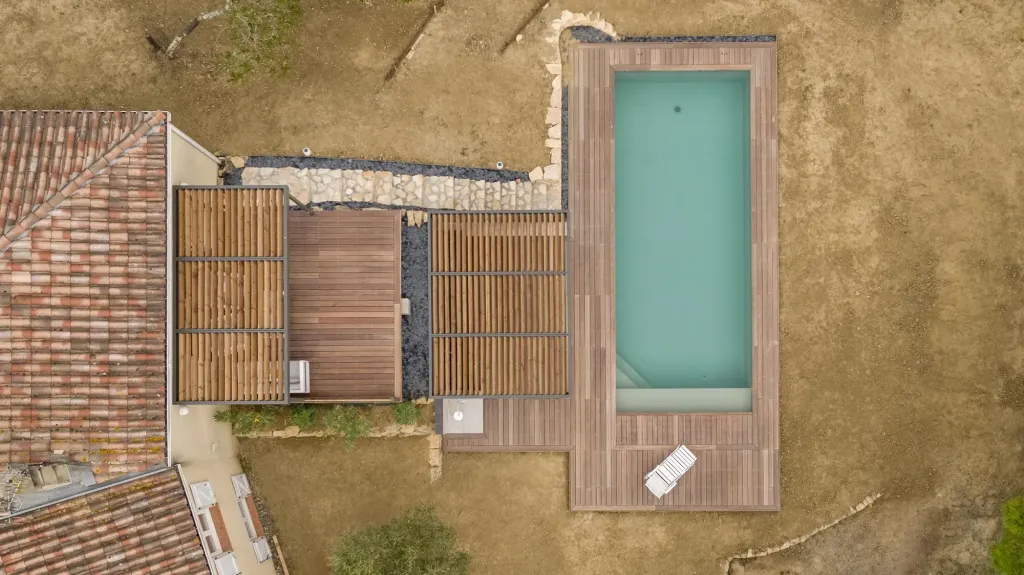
{"x":499,"y":313}
{"x":231,"y":281}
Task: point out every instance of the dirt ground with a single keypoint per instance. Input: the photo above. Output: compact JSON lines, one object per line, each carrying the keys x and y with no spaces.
{"x":902,"y":252}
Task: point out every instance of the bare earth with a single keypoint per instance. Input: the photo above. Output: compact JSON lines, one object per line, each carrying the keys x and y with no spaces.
{"x":902,"y":256}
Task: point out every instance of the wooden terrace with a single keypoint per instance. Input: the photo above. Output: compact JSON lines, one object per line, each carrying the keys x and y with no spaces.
{"x":737,"y":465}
{"x":345,"y":303}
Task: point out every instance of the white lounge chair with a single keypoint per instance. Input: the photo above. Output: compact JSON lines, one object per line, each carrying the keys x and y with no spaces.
{"x":664,"y":477}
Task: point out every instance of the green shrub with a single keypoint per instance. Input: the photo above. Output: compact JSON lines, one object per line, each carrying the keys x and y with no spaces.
{"x":303,"y":417}
{"x":245,"y":420}
{"x":414,"y":543}
{"x":262,"y":33}
{"x":405,"y":413}
{"x":347,"y":421}
{"x":224,"y":416}
{"x":1008,"y":553}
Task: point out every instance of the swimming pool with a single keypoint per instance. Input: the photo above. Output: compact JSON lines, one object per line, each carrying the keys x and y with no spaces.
{"x":682,"y":241}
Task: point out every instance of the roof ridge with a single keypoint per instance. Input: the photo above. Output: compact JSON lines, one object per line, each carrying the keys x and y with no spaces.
{"x":97,"y":167}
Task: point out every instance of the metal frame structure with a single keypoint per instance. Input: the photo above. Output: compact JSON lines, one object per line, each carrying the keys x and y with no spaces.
{"x":173,"y":246}
{"x":431,"y":274}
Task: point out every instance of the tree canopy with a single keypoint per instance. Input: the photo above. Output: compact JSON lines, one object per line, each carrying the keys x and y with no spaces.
{"x":414,"y":543}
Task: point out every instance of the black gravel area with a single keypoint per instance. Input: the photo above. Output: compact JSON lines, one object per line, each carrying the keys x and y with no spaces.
{"x":328,"y":206}
{"x":763,"y":38}
{"x":416,"y":326}
{"x":233,"y":178}
{"x":565,"y":148}
{"x":487,"y":175}
{"x":591,"y":35}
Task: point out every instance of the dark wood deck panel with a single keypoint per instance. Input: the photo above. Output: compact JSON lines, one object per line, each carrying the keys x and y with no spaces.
{"x":345,"y":303}
{"x":694,"y":430}
{"x":519,"y":425}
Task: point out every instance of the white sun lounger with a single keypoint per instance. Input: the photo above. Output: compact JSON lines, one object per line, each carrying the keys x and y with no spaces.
{"x":664,"y":477}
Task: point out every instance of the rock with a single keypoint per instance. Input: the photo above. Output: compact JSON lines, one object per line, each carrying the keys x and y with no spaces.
{"x":554,"y":117}
{"x":540,"y":188}
{"x":553,"y":172}
{"x":556,"y":82}
{"x":291,"y":431}
{"x":556,"y":155}
{"x":555,"y":131}
{"x":553,"y":143}
{"x":236,"y":161}
{"x":555,"y":68}
{"x":556,"y":98}
{"x":434,"y":457}
{"x":435,"y":474}
{"x":434,"y":441}
{"x":519,"y":38}
{"x":536,"y":173}
{"x":266,"y":172}
{"x":383,"y":199}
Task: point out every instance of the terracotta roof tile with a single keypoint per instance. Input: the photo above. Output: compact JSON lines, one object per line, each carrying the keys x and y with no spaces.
{"x":141,"y":526}
{"x":82,"y":292}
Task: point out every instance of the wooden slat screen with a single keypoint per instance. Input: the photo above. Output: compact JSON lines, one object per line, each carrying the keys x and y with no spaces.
{"x":511,"y":242}
{"x":498,"y":304}
{"x":230,"y":366}
{"x":500,"y":365}
{"x":231,"y":279}
{"x":230,"y":295}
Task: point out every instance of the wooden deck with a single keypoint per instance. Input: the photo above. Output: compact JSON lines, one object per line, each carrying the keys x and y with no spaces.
{"x":345,"y":303}
{"x":737,"y":465}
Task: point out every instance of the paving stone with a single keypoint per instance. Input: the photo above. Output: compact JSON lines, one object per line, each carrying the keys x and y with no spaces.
{"x":556,"y":98}
{"x":554,"y":117}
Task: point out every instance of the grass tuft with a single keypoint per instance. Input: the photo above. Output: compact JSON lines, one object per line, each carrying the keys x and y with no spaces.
{"x":246,"y":420}
{"x":405,"y":413}
{"x":347,"y":421}
{"x":303,"y":417}
{"x":1008,"y":553}
{"x":262,"y":34}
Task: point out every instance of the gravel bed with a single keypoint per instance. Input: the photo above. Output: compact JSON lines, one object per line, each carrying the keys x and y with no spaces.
{"x":592,"y":35}
{"x":485,"y":174}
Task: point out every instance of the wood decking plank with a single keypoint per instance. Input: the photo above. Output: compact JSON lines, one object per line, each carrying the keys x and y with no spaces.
{"x":345,"y":309}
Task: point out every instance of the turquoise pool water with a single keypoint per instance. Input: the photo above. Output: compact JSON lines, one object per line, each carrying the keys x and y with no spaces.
{"x":682,"y":241}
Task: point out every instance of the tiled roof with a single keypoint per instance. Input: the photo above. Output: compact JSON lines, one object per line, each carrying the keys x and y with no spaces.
{"x":142,"y":526}
{"x":82,"y":288}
